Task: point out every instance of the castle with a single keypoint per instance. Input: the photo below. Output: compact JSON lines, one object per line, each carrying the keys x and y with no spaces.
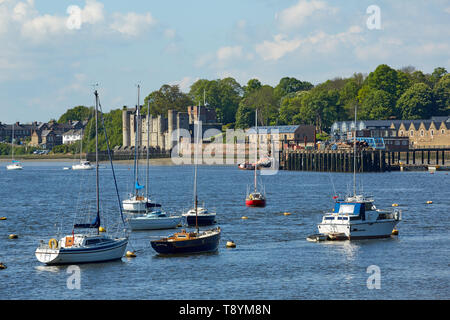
{"x":161,"y":128}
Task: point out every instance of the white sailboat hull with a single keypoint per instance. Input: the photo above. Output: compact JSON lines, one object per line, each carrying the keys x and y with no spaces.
{"x":82,"y":167}
{"x":360,"y":230}
{"x":77,"y":255}
{"x":143,"y":223}
{"x":134,"y":205}
{"x":14,"y":167}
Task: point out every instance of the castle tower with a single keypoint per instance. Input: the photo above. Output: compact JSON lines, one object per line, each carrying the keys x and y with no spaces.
{"x":126,"y":127}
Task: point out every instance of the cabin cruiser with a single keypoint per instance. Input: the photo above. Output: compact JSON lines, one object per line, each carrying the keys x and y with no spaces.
{"x":357,"y":217}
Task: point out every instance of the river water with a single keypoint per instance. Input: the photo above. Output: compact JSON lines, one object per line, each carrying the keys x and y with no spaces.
{"x":272,"y":259}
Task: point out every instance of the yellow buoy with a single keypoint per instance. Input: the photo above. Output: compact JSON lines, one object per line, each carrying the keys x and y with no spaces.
{"x":395,"y":232}
{"x":2,"y":266}
{"x":13,"y":236}
{"x":130,"y":254}
{"x":244,"y":217}
{"x":2,"y":218}
{"x":429,"y":202}
{"x":101,"y":229}
{"x":395,"y":204}
{"x":287,"y":213}
{"x":231,"y":244}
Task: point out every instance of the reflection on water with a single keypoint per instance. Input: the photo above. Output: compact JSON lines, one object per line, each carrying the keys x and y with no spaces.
{"x":272,"y":259}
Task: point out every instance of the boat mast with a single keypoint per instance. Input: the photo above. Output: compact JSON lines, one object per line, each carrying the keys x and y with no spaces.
{"x":354,"y":157}
{"x":12,"y":143}
{"x":96,"y":155}
{"x":81,"y":146}
{"x":136,"y":144}
{"x":256,"y":144}
{"x":195,"y":169}
{"x":148,"y":144}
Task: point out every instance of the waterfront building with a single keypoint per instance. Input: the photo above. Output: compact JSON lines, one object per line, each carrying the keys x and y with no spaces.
{"x":290,"y":135}
{"x":392,"y":134}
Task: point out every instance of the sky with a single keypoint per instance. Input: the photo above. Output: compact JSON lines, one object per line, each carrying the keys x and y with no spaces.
{"x":53,"y":52}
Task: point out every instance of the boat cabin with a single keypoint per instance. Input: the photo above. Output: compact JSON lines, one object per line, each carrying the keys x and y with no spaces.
{"x":362,"y":211}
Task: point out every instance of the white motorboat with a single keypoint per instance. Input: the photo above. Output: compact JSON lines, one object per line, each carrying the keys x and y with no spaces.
{"x":154,"y":220}
{"x":356,"y":217}
{"x":83,"y":165}
{"x":90,"y":246}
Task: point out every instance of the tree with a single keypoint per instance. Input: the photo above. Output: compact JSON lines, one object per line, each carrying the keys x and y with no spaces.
{"x":320,"y":107}
{"x":79,"y":113}
{"x":223,"y":95}
{"x":441,"y":94}
{"x":387,"y":79}
{"x":167,"y":98}
{"x":265,"y":101}
{"x":252,"y":85}
{"x":290,"y":85}
{"x":416,"y":102}
{"x":377,"y":105}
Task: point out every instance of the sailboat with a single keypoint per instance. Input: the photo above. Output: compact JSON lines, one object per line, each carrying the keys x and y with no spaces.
{"x":256,"y":198}
{"x":89,"y":246}
{"x":137,"y":203}
{"x":15,"y":165}
{"x":189,"y":242}
{"x":153,"y":218}
{"x":198,"y":215}
{"x":356,"y":216}
{"x":84,"y":164}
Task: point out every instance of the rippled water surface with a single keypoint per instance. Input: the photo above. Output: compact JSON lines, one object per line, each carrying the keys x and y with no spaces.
{"x":272,"y":259}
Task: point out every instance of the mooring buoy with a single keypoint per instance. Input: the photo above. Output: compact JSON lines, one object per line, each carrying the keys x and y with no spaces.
{"x":130,"y":254}
{"x":13,"y":236}
{"x":231,"y":244}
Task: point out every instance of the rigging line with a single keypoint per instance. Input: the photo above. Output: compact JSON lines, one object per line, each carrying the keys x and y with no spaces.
{"x":111,"y":162}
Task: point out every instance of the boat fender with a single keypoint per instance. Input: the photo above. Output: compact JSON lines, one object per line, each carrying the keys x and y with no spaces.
{"x":101,"y":229}
{"x":395,"y":232}
{"x":53,"y":243}
{"x":13,"y":236}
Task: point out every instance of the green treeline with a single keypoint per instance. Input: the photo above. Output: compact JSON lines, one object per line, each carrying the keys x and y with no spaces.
{"x":385,"y":93}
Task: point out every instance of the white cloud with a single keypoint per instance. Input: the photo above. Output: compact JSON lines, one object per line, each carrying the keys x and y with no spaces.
{"x":92,"y":12}
{"x":297,"y":15}
{"x":280,"y":46}
{"x":170,"y":33}
{"x":132,"y":24}
{"x":226,"y":53}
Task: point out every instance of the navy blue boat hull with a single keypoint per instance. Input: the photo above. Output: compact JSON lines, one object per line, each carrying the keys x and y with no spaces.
{"x":202,"y":220}
{"x":207,"y":244}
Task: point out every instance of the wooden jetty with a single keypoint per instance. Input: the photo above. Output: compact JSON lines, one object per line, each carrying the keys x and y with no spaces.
{"x":366,"y":160}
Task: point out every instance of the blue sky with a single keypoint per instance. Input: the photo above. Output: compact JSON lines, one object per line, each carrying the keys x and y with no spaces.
{"x":47,"y":67}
